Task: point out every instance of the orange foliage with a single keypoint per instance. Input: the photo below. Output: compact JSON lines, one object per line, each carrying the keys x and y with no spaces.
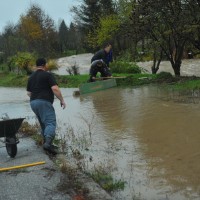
{"x":30,"y":29}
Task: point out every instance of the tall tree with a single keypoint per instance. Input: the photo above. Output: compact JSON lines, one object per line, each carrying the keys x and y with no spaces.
{"x":108,"y":30}
{"x":39,"y":31}
{"x":87,"y":19}
{"x":193,"y":7}
{"x":11,"y":42}
{"x":107,"y":7}
{"x":63,"y":36}
{"x":7,"y":37}
{"x":166,"y":24}
{"x":72,"y":37}
{"x":87,"y":15}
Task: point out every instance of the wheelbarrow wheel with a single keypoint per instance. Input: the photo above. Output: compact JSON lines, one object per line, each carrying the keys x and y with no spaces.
{"x":11,"y":147}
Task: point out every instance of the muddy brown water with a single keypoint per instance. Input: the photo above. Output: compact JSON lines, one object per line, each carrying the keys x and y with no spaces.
{"x":189,"y":67}
{"x":148,"y":136}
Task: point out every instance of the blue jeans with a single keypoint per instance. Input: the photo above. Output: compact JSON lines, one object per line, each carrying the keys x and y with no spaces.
{"x":45,"y":113}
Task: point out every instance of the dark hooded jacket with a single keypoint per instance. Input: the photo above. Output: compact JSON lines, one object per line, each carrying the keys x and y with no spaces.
{"x":103,"y":69}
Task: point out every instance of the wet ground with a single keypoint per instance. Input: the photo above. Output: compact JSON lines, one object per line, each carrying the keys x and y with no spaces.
{"x":147,"y":136}
{"x":34,"y":183}
{"x":44,"y":181}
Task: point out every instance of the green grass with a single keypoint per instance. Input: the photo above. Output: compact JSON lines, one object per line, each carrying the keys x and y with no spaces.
{"x":107,"y":182}
{"x":12,"y":80}
{"x":124,"y":67}
{"x":69,"y":81}
{"x":189,"y":85}
{"x":135,"y":79}
{"x":73,"y":81}
{"x":3,"y":67}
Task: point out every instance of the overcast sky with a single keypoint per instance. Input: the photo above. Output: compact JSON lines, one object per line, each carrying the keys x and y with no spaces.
{"x":10,"y":10}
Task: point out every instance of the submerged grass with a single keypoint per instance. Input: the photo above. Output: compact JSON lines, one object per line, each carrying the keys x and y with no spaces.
{"x":107,"y":182}
{"x":71,"y":165}
{"x":188,"y":85}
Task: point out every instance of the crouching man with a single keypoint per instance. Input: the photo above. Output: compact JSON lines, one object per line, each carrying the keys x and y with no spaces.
{"x":101,"y":67}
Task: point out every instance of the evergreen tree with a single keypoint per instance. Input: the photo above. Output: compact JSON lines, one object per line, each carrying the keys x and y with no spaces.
{"x":63,"y":36}
{"x":87,"y":15}
{"x":107,"y":7}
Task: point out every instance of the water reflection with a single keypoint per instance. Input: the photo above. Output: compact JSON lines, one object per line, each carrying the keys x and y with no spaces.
{"x":150,"y":134}
{"x":111,"y":108}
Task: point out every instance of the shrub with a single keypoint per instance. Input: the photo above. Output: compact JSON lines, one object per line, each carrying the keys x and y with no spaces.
{"x":164,"y":75}
{"x":125,"y":55}
{"x":124,"y":67}
{"x":106,"y":180}
{"x":52,"y":65}
{"x":70,"y":52}
{"x":73,"y":70}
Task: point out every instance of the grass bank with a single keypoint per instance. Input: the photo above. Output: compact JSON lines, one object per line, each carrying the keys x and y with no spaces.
{"x":15,"y":80}
{"x":12,"y":80}
{"x":70,"y":81}
{"x":192,"y":83}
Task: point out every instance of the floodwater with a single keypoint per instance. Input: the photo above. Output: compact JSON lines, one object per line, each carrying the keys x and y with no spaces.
{"x":189,"y":67}
{"x":147,"y":136}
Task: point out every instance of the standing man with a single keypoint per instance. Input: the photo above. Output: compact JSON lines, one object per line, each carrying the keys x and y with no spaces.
{"x":104,"y":54}
{"x":41,"y":89}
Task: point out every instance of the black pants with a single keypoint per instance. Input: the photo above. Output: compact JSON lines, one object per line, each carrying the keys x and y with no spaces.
{"x":105,"y":72}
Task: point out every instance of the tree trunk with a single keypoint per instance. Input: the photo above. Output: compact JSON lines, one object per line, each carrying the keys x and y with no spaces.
{"x":134,"y":49}
{"x":154,"y":69}
{"x":156,"y":63}
{"x":177,"y":68}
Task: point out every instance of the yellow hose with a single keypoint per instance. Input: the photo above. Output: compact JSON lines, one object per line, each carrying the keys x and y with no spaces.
{"x":22,"y":166}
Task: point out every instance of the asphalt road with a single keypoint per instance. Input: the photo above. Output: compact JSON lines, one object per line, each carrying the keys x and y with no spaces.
{"x":31,"y":183}
{"x":41,"y":182}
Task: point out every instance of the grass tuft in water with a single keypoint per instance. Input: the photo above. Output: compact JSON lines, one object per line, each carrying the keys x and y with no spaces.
{"x":106,"y":180}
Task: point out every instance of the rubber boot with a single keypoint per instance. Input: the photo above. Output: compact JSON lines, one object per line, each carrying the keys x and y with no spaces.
{"x":49,"y":147}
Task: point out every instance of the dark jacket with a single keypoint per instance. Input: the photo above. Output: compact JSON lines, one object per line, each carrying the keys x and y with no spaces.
{"x":100,"y":55}
{"x":94,"y":69}
{"x":109,"y":57}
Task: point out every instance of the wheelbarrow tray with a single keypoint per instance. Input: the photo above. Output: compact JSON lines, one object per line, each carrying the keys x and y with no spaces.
{"x":9,"y":127}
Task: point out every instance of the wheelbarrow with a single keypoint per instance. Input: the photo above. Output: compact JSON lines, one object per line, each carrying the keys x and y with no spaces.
{"x":8,"y":130}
